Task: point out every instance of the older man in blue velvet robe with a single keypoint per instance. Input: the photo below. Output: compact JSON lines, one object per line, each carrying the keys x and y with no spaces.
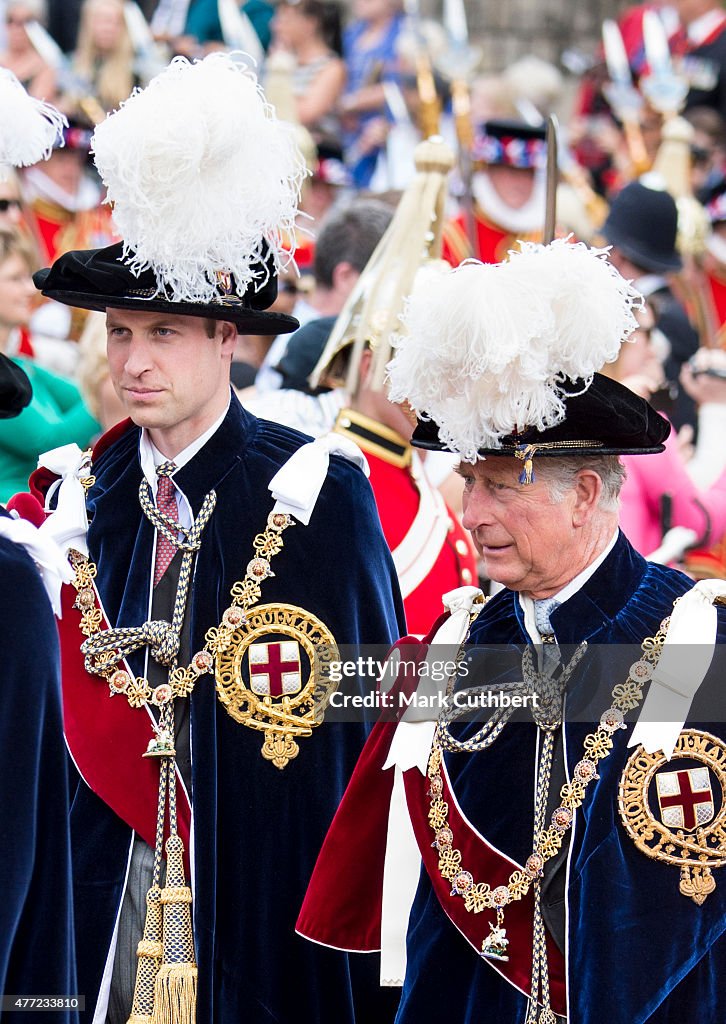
{"x":570,"y":866}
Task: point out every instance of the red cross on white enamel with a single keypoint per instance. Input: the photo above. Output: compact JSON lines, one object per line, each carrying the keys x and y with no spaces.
{"x":275,"y":667}
{"x":686,"y":798}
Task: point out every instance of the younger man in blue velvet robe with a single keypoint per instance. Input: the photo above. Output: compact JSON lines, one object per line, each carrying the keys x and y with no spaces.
{"x":207,"y":572}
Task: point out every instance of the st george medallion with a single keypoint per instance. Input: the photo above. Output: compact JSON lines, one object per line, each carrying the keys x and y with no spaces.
{"x":274,"y":676}
{"x":679,"y":816}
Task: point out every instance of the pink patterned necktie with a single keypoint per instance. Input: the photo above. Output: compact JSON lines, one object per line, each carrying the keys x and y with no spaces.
{"x":166,"y":503}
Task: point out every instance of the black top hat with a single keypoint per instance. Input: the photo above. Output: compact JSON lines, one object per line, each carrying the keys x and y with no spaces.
{"x":98,"y":279}
{"x":607,"y":419}
{"x":643,"y":224}
{"x":15,"y":389}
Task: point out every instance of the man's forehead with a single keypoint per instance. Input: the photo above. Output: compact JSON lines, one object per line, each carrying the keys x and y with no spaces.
{"x":493,"y":467}
{"x":140,"y":318}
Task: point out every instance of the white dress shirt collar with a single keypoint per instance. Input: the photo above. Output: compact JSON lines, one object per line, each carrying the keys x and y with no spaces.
{"x":151,"y":457}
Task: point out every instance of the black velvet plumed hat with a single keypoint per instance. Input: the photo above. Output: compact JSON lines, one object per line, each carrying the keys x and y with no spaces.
{"x":504,"y":359}
{"x":98,"y":279}
{"x":606,"y":419}
{"x":204,"y":182}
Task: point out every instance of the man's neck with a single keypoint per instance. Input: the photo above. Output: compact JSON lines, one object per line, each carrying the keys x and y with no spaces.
{"x":326,"y":301}
{"x":183,"y":442}
{"x":593,"y":552}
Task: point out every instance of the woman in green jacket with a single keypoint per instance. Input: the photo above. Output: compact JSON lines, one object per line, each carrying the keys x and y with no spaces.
{"x":56,"y":414}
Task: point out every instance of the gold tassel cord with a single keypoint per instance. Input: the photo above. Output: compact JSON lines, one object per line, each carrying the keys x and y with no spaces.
{"x":175,"y":997}
{"x":150,"y":949}
{"x":149,"y":953}
{"x":175,"y":991}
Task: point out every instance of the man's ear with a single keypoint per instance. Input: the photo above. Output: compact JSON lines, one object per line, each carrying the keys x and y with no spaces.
{"x":228,"y":333}
{"x":588,"y":489}
{"x":365,"y":367}
{"x":344,"y":276}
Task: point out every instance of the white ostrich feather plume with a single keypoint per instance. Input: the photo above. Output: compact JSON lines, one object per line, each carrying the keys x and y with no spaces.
{"x":28,"y":127}
{"x":202,"y":177}
{"x":489,"y":347}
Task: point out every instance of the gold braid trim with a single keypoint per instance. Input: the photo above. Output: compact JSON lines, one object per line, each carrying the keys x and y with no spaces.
{"x":148,"y":947}
{"x":176,"y":894}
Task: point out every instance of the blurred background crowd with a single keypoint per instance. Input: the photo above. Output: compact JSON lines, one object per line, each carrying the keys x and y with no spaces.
{"x":642,"y":168}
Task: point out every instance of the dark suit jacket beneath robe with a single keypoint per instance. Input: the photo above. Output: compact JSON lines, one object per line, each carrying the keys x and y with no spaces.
{"x":638,"y":950}
{"x":36,"y":915}
{"x":257,"y":829}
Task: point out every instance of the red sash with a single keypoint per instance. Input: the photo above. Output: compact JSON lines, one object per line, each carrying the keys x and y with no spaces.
{"x":347,"y":915}
{"x":486,"y":863}
{"x":107,"y":737}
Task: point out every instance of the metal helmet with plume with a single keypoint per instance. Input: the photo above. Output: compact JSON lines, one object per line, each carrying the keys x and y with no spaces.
{"x":370,"y":316}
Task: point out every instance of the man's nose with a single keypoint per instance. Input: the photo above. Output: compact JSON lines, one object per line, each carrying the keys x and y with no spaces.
{"x":138,"y":356}
{"x":477,"y":508}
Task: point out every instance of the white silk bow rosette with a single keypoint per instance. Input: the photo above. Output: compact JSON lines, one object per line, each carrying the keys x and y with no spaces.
{"x":297,"y":484}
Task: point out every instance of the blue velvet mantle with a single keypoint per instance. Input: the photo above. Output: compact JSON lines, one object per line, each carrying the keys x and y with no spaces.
{"x":257,"y":829}
{"x":638,"y":951}
{"x":36,"y":919}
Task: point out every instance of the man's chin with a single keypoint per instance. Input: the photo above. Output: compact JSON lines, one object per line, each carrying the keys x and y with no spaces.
{"x":500,"y":569}
{"x":149,"y":418}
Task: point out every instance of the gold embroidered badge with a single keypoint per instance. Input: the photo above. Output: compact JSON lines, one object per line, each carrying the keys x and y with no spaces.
{"x":678,"y":815}
{"x":274,"y":676}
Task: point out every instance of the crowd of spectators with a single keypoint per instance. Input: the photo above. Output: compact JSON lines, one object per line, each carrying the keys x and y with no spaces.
{"x":363,"y":83}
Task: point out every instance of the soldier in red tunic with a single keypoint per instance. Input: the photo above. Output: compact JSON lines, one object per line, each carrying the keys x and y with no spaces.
{"x":431,"y":551}
{"x":507,"y":193}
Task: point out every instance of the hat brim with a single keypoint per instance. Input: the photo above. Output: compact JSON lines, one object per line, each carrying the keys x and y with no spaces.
{"x":654,"y":264}
{"x":246,"y":320}
{"x":428,"y":439}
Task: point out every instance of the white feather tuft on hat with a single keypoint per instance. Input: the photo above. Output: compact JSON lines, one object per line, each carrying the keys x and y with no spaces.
{"x":488,"y":347}
{"x":28,"y":127}
{"x":201,"y":174}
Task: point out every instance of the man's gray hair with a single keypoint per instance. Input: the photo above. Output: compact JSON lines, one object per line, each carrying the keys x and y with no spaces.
{"x":560,"y":474}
